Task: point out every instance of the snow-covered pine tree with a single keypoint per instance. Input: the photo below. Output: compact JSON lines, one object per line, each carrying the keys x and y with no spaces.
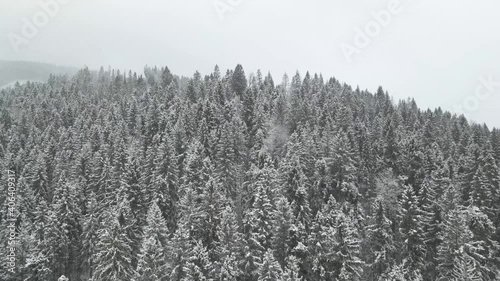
{"x":239,"y":81}
{"x":411,"y":232}
{"x":457,"y":240}
{"x":322,"y":244}
{"x":283,"y":223}
{"x":464,"y":269}
{"x":350,"y":265}
{"x":270,"y":269}
{"x":229,"y":245}
{"x":292,"y":270}
{"x":89,"y":236}
{"x":380,"y":238}
{"x":165,"y":181}
{"x":431,"y":213}
{"x":113,"y":254}
{"x":152,"y":264}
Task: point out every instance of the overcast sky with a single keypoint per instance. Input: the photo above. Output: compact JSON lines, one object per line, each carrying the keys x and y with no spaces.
{"x":435,"y":51}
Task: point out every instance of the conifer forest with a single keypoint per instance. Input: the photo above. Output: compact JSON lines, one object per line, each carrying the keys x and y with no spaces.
{"x":119,"y":176}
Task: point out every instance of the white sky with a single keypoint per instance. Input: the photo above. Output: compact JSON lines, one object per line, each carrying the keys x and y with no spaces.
{"x":434,"y":51}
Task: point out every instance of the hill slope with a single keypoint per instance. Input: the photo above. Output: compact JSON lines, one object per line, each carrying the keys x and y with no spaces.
{"x":11,"y":71}
{"x":235,"y":178}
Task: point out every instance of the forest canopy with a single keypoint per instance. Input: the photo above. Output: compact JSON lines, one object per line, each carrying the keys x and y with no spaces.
{"x":228,"y":176}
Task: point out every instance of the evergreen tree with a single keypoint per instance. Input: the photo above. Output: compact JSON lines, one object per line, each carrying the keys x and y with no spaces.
{"x":348,"y":247}
{"x":283,"y":227}
{"x":166,"y":77}
{"x":323,"y":245}
{"x":166,"y":184}
{"x":464,"y":269}
{"x":431,"y":214}
{"x":64,"y":230}
{"x":239,"y":81}
{"x":260,"y":214}
{"x":270,"y":269}
{"x":89,"y":236}
{"x":381,"y":240}
{"x":113,"y":256}
{"x":457,"y":241}
{"x":152,"y":264}
{"x":291,"y":272}
{"x":411,"y":231}
{"x":230,"y":241}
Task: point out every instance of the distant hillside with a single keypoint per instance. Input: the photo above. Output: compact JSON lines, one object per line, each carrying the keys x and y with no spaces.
{"x":11,"y":71}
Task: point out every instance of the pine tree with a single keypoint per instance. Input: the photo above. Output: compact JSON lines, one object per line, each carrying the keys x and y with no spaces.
{"x":195,"y":171}
{"x":344,"y":169}
{"x":227,"y":157}
{"x":200,"y":267}
{"x":323,"y":245}
{"x":42,"y":261}
{"x":152,"y":264}
{"x":37,"y":176}
{"x":166,"y":183}
{"x":129,"y":223}
{"x":67,"y":229}
{"x":464,"y":269}
{"x":486,"y":186}
{"x":469,"y":165}
{"x":166,"y":77}
{"x":295,"y":181}
{"x":131,"y":183}
{"x":431,"y":213}
{"x":483,"y":232}
{"x":348,"y":247}
{"x":209,"y":212}
{"x":177,"y":261}
{"x":156,"y":226}
{"x":260,"y":214}
{"x":495,"y":144}
{"x":296,"y":115}
{"x":113,"y":256}
{"x":250,"y":256}
{"x":194,"y":243}
{"x":391,"y":150}
{"x":411,"y":231}
{"x":239,"y":81}
{"x":381,"y":240}
{"x":397,"y":273}
{"x":270,"y":269}
{"x":457,"y":240}
{"x":89,"y":236}
{"x":229,"y":242}
{"x":291,"y":272}
{"x":283,"y":226}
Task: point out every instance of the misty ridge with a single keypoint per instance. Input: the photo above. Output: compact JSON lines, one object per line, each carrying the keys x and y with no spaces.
{"x":113,"y":175}
{"x":15,"y":71}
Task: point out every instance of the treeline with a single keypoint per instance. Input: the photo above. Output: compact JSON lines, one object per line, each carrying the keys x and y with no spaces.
{"x":235,"y":177}
{"x":12,"y":71}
